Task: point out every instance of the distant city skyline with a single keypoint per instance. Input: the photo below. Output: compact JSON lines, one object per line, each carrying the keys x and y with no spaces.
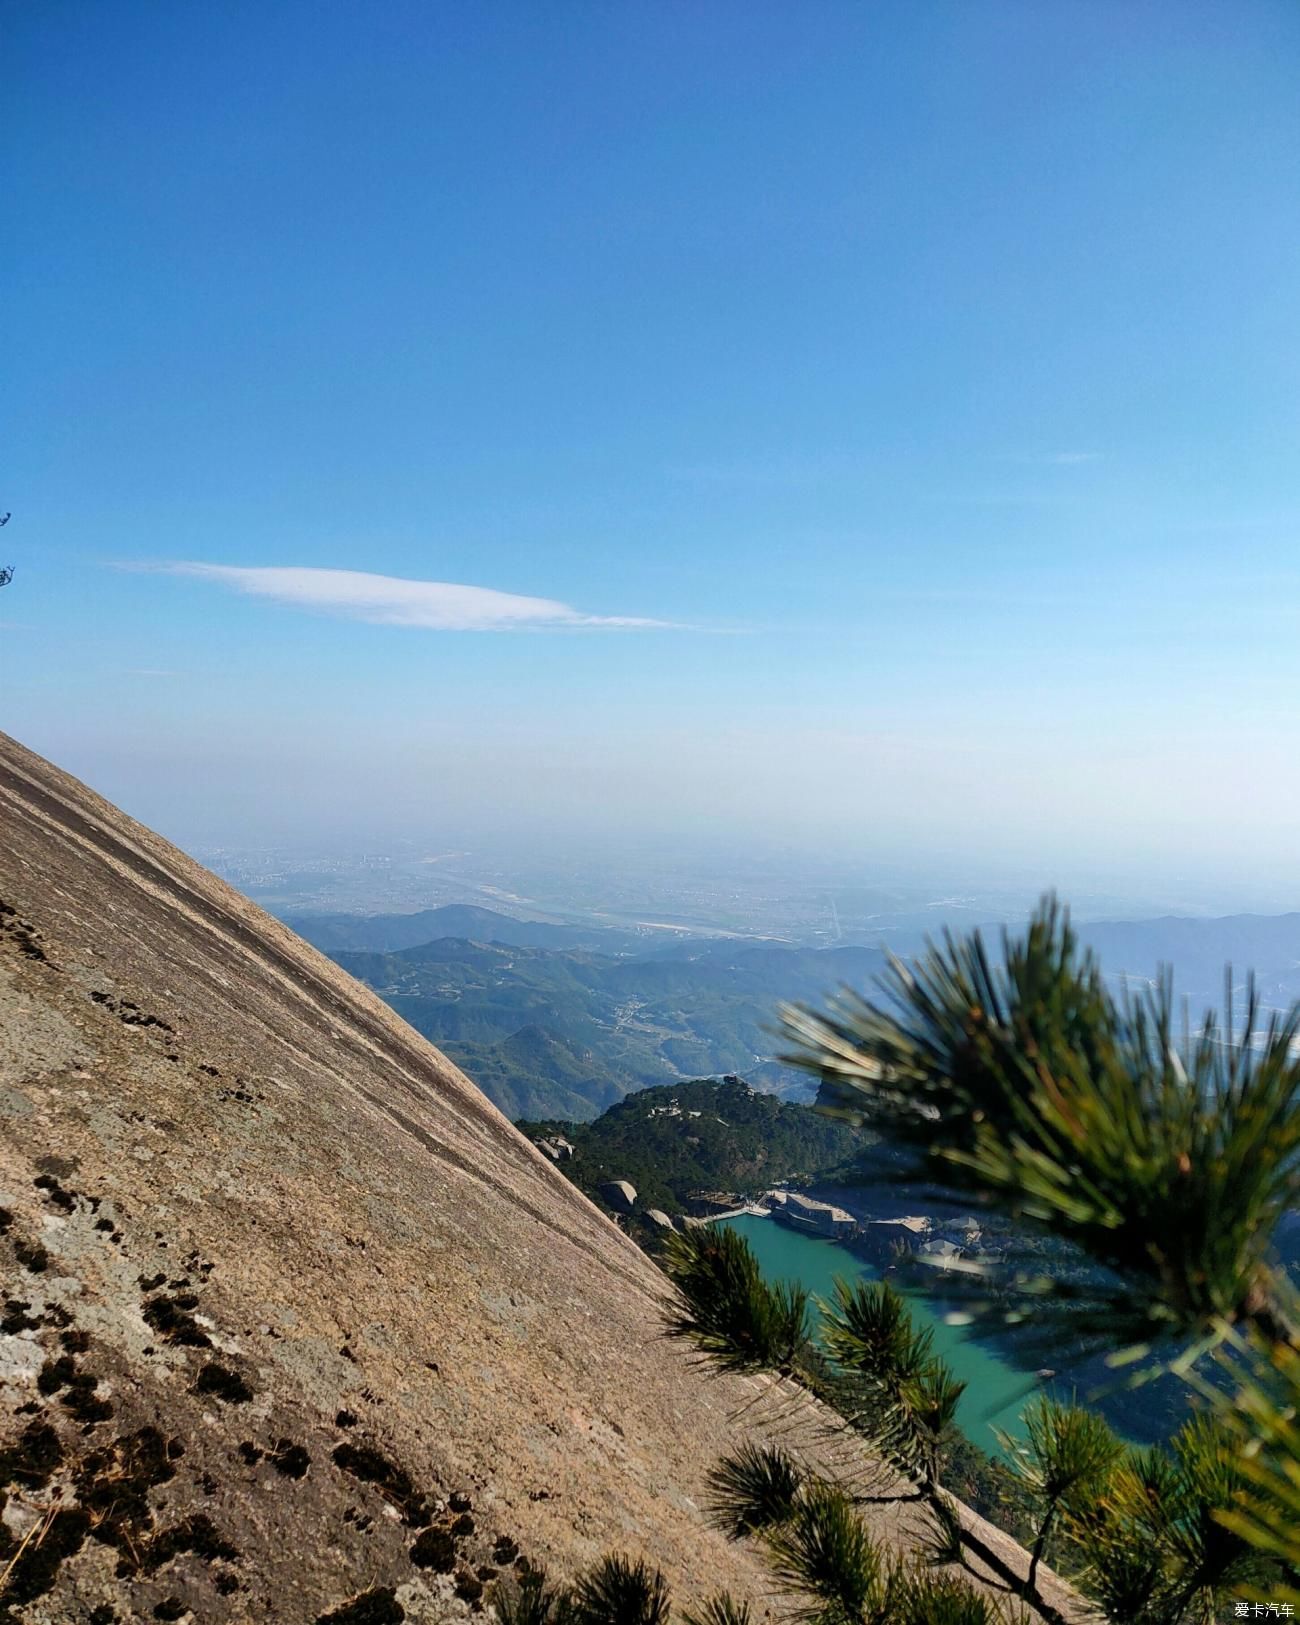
{"x":866,"y":433}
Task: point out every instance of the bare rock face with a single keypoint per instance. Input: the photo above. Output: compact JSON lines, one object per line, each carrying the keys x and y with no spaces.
{"x":295,"y":1326}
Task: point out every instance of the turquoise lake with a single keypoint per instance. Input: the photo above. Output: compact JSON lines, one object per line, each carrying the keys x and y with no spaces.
{"x":996,"y":1392}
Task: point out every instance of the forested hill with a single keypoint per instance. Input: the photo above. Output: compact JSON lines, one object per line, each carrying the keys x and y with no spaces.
{"x":676,"y":1141}
{"x":535,"y":1072}
{"x":550,"y":1032}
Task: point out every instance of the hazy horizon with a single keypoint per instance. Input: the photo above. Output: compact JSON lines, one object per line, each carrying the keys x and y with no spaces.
{"x":854,"y":437}
{"x":364,"y":802}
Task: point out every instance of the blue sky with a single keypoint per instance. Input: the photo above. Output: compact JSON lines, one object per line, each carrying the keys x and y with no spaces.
{"x":930,"y":368}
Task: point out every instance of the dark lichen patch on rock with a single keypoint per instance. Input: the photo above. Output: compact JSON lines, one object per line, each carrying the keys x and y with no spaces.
{"x":106,"y":1498}
{"x":55,"y":1192}
{"x":196,"y":1534}
{"x":17,"y":1317}
{"x":33,"y":1569}
{"x":33,"y":1459}
{"x":435,"y":1549}
{"x":84,"y":1401}
{"x":290,"y":1459}
{"x":32,"y":1256}
{"x":468,"y":1586}
{"x":392,"y":1482}
{"x":223,"y":1384}
{"x":376,"y":1607}
{"x":79,"y":1395}
{"x":129,"y":1013}
{"x":22,"y":933}
{"x":114,"y":1485}
{"x":55,"y":1373}
{"x":171,"y":1317}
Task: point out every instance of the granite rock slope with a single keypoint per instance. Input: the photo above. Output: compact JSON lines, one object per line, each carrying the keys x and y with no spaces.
{"x":296,"y":1327}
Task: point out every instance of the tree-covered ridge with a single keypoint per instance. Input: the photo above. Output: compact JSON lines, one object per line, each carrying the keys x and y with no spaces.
{"x":676,"y":1141}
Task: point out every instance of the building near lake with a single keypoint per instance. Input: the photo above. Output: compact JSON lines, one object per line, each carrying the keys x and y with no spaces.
{"x":804,"y":1213}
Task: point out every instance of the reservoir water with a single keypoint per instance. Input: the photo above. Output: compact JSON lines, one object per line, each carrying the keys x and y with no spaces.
{"x":996,"y":1392}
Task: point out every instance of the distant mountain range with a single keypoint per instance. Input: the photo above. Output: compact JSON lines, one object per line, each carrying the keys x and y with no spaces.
{"x":561,"y":1021}
{"x":1200,"y":950}
{"x":389,"y":933}
{"x":557,"y":1021}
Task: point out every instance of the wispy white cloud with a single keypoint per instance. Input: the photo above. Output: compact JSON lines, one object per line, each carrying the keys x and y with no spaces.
{"x":440,"y":606}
